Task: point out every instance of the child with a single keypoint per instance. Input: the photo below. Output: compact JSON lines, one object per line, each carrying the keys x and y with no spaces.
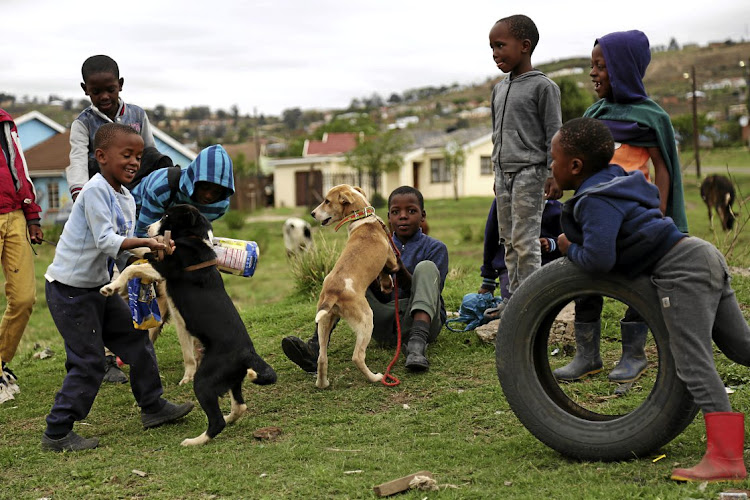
{"x":20,"y":221}
{"x":642,"y":131}
{"x":102,"y":83}
{"x":420,"y":285}
{"x":525,"y":115}
{"x":493,"y":266}
{"x":99,"y":230}
{"x":207,"y":183}
{"x":614,"y":223}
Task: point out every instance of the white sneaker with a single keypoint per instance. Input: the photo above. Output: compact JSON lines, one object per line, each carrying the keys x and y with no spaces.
{"x":5,"y":394}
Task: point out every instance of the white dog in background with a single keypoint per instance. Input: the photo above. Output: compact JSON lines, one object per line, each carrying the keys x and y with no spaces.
{"x":297,"y":236}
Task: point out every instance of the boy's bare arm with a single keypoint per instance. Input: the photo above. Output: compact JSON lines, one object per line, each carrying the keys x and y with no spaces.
{"x":661,"y":177}
{"x":151,"y":243}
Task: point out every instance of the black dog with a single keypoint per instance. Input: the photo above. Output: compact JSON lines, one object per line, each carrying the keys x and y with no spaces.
{"x":717,"y":192}
{"x":196,"y":292}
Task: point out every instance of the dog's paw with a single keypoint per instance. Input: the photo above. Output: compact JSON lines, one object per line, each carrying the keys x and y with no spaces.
{"x":187,"y":378}
{"x":108,"y":290}
{"x":376,"y":378}
{"x":386,"y":286}
{"x":202,"y":439}
{"x":235,"y":414}
{"x":322,"y":383}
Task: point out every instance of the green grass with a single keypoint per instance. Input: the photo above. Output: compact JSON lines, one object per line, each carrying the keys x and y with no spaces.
{"x":340,"y":442}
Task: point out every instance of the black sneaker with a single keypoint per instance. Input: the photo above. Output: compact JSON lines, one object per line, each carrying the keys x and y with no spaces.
{"x":71,"y":442}
{"x":169,"y":413}
{"x":300,"y":353}
{"x":113,"y":374}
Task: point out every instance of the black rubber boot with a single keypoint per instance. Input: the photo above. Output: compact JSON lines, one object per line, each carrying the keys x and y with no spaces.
{"x":416,"y":360}
{"x":633,"y":362}
{"x":113,"y":373}
{"x":587,"y":360}
{"x":303,"y":354}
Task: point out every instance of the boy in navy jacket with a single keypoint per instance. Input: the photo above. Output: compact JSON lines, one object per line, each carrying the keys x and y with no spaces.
{"x":614,"y":223}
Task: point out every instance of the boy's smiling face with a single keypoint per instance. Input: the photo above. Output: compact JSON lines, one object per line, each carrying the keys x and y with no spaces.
{"x":104,"y":90}
{"x":121,"y":159}
{"x":599,"y":74}
{"x":405,"y":215}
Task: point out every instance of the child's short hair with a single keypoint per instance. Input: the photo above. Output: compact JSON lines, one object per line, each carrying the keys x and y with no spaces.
{"x":107,"y":132}
{"x":522,"y":28}
{"x":99,"y":64}
{"x":407,"y":190}
{"x":589,"y":139}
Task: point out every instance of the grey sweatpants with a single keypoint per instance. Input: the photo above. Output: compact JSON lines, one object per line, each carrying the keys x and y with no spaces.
{"x":425,"y":296}
{"x":693,"y":284}
{"x":520,"y":203}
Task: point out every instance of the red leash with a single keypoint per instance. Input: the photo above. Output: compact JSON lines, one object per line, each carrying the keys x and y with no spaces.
{"x":388,"y":379}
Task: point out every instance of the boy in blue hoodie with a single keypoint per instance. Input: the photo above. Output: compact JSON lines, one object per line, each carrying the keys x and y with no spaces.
{"x":614,"y":223}
{"x":98,"y":233}
{"x":642,"y":131}
{"x":207,"y":184}
{"x":525,"y":115}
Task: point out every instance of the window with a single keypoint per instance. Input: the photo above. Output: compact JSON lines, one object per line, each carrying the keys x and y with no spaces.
{"x":53,"y":195}
{"x":438,"y":171}
{"x":485,"y":165}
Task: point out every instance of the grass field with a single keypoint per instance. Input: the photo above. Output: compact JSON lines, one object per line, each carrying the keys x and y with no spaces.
{"x":338,"y":443}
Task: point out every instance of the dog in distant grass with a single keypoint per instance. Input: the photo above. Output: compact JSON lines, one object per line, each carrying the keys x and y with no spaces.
{"x":297,"y":236}
{"x":717,"y":192}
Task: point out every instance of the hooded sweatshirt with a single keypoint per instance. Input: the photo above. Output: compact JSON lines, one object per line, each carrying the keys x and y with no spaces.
{"x":631,"y":116}
{"x":525,"y":115}
{"x":614,"y":223}
{"x":152,"y":195}
{"x":16,"y":189}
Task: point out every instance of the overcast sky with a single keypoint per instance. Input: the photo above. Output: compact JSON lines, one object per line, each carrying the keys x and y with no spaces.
{"x":279,"y":54}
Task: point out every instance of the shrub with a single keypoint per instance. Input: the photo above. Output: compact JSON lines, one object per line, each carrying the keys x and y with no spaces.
{"x":309,"y":269}
{"x":234,"y":219}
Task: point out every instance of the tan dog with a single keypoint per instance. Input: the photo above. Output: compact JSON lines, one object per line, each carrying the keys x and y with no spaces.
{"x":366,"y":256}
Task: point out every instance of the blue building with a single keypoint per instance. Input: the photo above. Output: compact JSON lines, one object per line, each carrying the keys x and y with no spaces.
{"x":46,"y":145}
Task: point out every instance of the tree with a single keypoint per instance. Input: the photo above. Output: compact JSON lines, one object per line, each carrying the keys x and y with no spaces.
{"x":573,"y":100}
{"x":455,"y":159}
{"x":377,"y":155}
{"x":291,"y":118}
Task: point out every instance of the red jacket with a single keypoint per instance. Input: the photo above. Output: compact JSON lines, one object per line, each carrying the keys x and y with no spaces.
{"x":16,"y":190}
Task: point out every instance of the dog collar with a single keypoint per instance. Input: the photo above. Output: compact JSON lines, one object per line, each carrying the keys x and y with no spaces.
{"x":359,"y":214}
{"x":207,"y":263}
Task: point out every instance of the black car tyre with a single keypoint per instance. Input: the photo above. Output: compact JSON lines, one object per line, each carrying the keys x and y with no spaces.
{"x":534,"y":394}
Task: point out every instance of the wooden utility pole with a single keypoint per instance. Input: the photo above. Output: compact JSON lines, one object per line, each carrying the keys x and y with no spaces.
{"x":696,"y":135}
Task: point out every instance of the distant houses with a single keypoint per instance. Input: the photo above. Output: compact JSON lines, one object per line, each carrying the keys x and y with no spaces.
{"x":304,"y":180}
{"x":46,"y":146}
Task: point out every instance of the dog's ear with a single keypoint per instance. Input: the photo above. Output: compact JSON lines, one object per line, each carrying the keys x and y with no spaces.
{"x":360,"y":190}
{"x":344,"y":199}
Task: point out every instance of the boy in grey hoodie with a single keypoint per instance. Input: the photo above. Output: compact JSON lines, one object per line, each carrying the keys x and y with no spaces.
{"x":525,"y":115}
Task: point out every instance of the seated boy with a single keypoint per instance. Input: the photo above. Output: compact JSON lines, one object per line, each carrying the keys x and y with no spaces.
{"x":100,"y":230}
{"x":614,"y":223}
{"x":420,"y":285}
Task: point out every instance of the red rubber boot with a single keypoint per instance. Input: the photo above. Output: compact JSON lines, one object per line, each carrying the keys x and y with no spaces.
{"x":723,"y":461}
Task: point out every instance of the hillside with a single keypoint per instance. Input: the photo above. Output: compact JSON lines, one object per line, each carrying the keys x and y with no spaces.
{"x":717,"y":69}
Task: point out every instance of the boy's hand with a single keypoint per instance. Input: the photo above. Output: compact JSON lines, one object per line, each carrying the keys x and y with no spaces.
{"x":35,"y":234}
{"x":544,"y":242}
{"x":563,"y":244}
{"x":551,"y":190}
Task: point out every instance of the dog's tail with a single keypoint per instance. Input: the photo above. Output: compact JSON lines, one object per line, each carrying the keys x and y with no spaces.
{"x":260,"y":372}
